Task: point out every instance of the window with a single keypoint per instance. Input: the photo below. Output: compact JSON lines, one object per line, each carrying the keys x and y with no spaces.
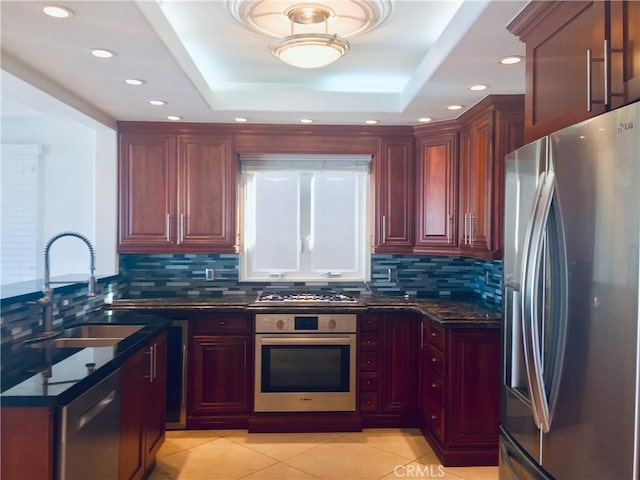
{"x":305,"y":218}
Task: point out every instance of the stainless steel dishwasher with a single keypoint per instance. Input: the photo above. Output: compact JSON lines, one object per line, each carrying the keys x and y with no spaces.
{"x":90,"y":433}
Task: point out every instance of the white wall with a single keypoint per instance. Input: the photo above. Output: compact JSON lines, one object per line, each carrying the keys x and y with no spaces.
{"x":79,"y":165}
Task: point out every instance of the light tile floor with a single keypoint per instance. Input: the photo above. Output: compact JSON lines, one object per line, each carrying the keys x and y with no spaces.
{"x":389,"y":453}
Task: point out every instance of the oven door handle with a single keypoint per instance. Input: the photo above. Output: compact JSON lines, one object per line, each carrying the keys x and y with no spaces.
{"x":315,"y":340}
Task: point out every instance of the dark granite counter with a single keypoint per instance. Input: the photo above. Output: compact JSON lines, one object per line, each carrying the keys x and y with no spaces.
{"x":449,"y":312}
{"x":62,"y":373}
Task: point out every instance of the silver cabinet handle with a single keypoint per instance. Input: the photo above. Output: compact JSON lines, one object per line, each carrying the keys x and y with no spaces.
{"x":466,"y":226}
{"x":607,"y":72}
{"x":384,"y":228}
{"x":181,"y":235}
{"x":421,"y":335}
{"x":168,"y":225}
{"x":155,"y":361}
{"x":589,"y":80}
{"x":472,"y":233}
{"x":449,"y":228}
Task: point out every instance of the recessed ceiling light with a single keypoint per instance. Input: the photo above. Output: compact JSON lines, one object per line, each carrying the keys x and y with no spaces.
{"x":173,"y":117}
{"x":240,"y":119}
{"x":425,"y":119}
{"x":157,"y":103}
{"x":478,"y":88}
{"x":371,"y":122}
{"x":511,"y":60}
{"x":134,"y":81}
{"x":454,"y":107}
{"x":101,"y":53}
{"x":57,"y":12}
{"x":306,"y":120}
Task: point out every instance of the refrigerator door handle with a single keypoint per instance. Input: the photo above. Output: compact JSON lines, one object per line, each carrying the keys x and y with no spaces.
{"x":533,"y":348}
{"x":527,"y":341}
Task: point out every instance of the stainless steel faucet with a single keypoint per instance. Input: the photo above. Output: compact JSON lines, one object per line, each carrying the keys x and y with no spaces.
{"x":46,"y":302}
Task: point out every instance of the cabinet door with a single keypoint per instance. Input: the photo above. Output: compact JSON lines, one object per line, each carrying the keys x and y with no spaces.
{"x":147,"y":192}
{"x":219,"y":382}
{"x":398,"y":363}
{"x":155,"y":406}
{"x":474,"y":403}
{"x":394,"y":196}
{"x":132,"y":449}
{"x":437,"y":192}
{"x":557,"y":71}
{"x":625,"y":35}
{"x":206,"y":194}
{"x":476,"y":183}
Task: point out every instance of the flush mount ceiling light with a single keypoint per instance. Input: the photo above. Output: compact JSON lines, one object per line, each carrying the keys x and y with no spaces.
{"x":309,"y":50}
{"x":310,"y":35}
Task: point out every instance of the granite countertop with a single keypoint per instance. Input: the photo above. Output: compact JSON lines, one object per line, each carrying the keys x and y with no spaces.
{"x":449,"y":312}
{"x":62,"y":373}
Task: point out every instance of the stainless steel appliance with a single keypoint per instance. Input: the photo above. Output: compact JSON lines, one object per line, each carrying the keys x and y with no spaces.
{"x":89,"y":435}
{"x":320,"y":297}
{"x":305,"y":362}
{"x":571,"y":267}
{"x":177,"y":341}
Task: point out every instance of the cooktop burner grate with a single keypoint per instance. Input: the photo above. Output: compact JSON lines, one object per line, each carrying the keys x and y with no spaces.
{"x":305,"y":297}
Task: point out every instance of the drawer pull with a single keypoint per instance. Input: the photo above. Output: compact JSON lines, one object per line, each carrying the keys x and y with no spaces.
{"x":434,"y":334}
{"x":434,"y":385}
{"x":434,"y":360}
{"x":434,"y":417}
{"x":222,"y":322}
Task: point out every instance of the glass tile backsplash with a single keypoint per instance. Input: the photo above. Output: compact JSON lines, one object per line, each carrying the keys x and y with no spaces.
{"x":164,"y":275}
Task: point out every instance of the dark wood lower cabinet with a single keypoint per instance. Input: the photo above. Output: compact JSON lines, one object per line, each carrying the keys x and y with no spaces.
{"x":387,"y":372}
{"x":27,"y":438}
{"x":460,"y":385}
{"x":142,"y":410}
{"x":219,"y":384}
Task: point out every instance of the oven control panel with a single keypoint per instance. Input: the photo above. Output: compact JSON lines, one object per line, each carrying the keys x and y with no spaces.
{"x":306,"y":323}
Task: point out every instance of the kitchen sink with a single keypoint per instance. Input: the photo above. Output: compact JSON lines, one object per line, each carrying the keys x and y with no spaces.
{"x":100,"y":331}
{"x":78,"y":342}
{"x":83,"y":336}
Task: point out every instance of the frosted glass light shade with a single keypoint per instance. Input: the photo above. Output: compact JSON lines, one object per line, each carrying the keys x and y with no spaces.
{"x":313,"y":50}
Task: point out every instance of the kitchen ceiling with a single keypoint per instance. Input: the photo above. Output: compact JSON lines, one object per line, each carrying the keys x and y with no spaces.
{"x":208,"y":67}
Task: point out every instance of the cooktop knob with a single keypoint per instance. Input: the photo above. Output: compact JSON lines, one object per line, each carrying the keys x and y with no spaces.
{"x":332,"y":324}
{"x":279,"y":324}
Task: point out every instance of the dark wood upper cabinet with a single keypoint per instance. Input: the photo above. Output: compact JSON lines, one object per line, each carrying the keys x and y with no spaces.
{"x":177,"y":193}
{"x":206,"y":193}
{"x":489,"y":131}
{"x":436,"y":189}
{"x":394,"y":177}
{"x":146,"y":191}
{"x":582,"y":60}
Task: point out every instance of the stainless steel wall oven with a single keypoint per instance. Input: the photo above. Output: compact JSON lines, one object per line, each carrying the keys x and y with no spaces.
{"x":305,"y":363}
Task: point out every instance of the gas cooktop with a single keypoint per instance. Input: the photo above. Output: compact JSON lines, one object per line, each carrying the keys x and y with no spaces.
{"x":320,"y":296}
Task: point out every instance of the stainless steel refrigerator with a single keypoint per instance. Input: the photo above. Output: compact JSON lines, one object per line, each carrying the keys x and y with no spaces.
{"x":569,"y":406}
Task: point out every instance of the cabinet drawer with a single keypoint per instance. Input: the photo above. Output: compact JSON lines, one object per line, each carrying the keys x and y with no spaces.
{"x":368,"y":402}
{"x":368,"y":360}
{"x":435,"y":418}
{"x":368,"y":323}
{"x":216,"y":324}
{"x":436,"y":388}
{"x":436,"y":360}
{"x":436,"y":336}
{"x":369,"y":381}
{"x":368,"y":340}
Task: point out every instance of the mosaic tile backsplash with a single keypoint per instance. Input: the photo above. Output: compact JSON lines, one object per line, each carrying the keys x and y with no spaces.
{"x":164,"y":275}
